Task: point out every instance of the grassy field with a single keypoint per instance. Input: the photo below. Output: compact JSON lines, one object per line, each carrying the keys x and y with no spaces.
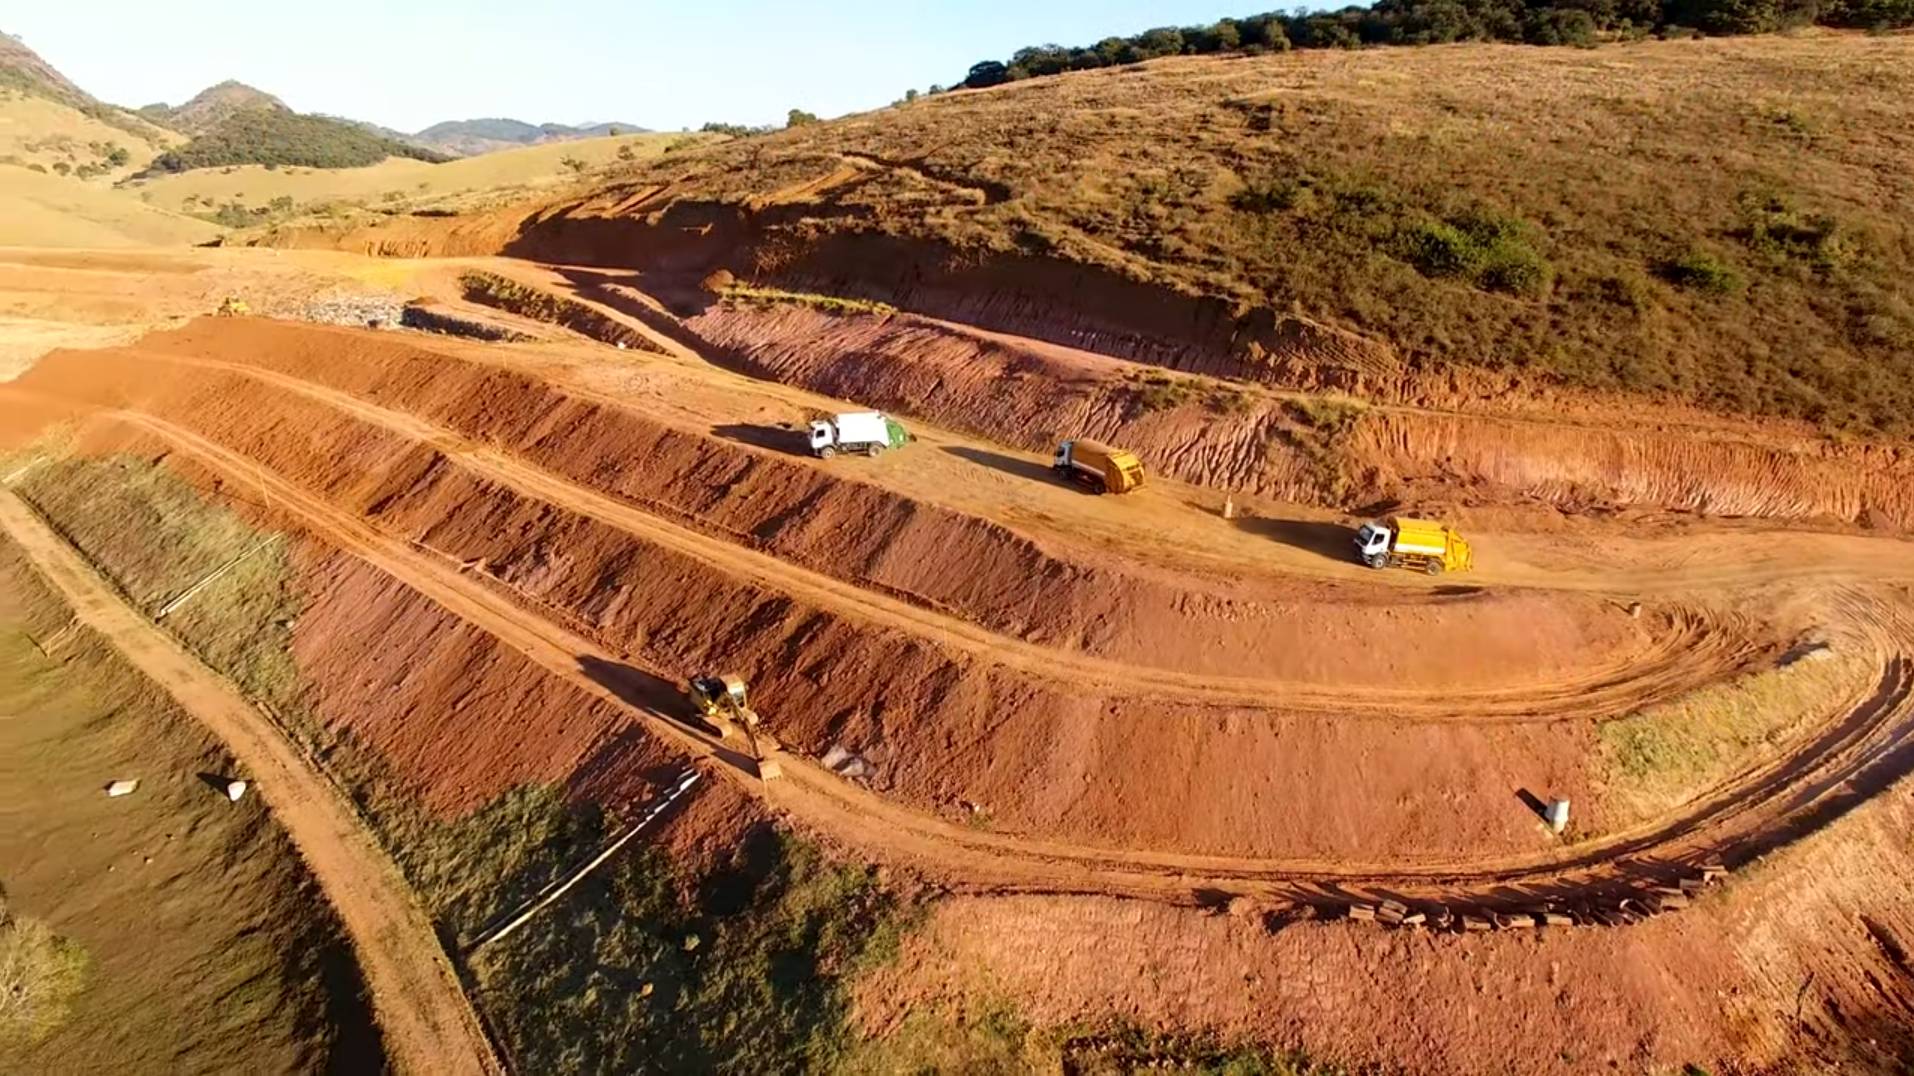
{"x":1658,"y":759}
{"x":45,"y":210}
{"x":206,"y":946}
{"x":1721,"y":221}
{"x":399,"y":182}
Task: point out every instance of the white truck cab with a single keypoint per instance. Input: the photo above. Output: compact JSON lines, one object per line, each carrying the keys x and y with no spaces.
{"x":1372,"y":544}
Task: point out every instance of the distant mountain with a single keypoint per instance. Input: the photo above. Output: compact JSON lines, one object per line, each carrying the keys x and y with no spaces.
{"x":211,"y":107}
{"x":23,"y":70}
{"x":468,"y":138}
{"x":233,"y":123}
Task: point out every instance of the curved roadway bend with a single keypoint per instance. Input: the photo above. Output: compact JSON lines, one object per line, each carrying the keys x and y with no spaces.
{"x":427,"y":1021}
{"x":1854,"y":752}
{"x":1701,"y":648}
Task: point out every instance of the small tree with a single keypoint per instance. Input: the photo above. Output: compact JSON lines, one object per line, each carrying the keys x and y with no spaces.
{"x":798,"y":118}
{"x":626,"y":153}
{"x":910,"y":95}
{"x":986,"y":74}
{"x":577,"y":166}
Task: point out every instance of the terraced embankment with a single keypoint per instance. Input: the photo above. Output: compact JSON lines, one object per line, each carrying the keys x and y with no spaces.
{"x":571,"y":579}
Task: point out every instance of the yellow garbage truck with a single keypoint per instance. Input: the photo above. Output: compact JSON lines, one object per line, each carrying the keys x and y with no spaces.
{"x":1097,"y":465}
{"x":1401,"y":542}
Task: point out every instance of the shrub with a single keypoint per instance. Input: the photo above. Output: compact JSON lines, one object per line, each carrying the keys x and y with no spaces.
{"x":1489,"y":251}
{"x":797,"y":117}
{"x":40,"y":972}
{"x":1699,"y":270}
{"x":1773,"y":227}
{"x":1270,"y":196}
{"x":1560,"y":26}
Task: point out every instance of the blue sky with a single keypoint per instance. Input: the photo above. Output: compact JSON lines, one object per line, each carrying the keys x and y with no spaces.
{"x":408,"y":63}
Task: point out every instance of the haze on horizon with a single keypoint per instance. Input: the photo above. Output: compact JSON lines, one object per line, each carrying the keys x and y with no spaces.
{"x":659,"y":65}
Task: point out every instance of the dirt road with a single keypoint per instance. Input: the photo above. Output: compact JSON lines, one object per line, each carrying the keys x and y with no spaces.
{"x":428,"y":1022}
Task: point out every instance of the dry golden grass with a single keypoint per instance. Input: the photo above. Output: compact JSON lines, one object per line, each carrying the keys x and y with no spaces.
{"x":1660,"y":758}
{"x":400,"y":182}
{"x":34,"y":130}
{"x":45,"y":210}
{"x":1507,"y":206}
{"x":40,"y":972}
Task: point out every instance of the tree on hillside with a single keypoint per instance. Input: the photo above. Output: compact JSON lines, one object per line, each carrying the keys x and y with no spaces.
{"x":1428,"y":22}
{"x":988,"y":73}
{"x":798,"y":118}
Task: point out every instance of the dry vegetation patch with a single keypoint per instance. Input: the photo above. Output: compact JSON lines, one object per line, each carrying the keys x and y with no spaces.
{"x":1665,"y":756}
{"x":40,"y":972}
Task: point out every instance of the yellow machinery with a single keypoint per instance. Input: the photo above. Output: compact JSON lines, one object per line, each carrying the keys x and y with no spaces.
{"x":233,"y":307}
{"x":722,"y":703}
{"x":1097,"y":465}
{"x":1401,"y":542}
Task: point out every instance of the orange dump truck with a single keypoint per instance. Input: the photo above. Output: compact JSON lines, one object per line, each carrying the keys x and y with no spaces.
{"x":1097,"y":465}
{"x":1401,"y":542}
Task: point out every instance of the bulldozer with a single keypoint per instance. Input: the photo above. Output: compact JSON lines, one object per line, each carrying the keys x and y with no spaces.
{"x":722,"y":703}
{"x":233,"y":307}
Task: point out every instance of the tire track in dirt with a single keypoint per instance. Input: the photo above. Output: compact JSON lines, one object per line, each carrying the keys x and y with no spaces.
{"x":1702,"y":649}
{"x":428,"y":1022}
{"x":1852,"y":756}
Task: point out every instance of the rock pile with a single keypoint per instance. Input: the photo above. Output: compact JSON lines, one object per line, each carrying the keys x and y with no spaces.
{"x":359,"y":311}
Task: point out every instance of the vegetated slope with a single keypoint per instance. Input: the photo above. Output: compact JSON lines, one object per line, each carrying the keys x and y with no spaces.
{"x":466,"y":138}
{"x":1718,"y":222}
{"x":23,"y":71}
{"x":51,"y":211}
{"x":41,"y":134}
{"x":400,"y":184}
{"x":212,"y":106}
{"x":276,"y":137}
{"x":207,"y":946}
{"x":233,"y":123}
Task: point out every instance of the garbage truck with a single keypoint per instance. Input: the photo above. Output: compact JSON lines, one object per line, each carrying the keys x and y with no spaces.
{"x":869,"y":432}
{"x":1402,"y":542}
{"x":1097,"y":465}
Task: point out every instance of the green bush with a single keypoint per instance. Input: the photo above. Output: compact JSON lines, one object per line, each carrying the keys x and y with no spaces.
{"x":1424,"y":22}
{"x":1698,"y":270}
{"x":1489,"y":251}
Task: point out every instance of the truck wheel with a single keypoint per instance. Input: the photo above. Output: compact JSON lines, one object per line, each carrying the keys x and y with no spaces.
{"x":874,"y":451}
{"x":1434,"y":567}
{"x":826,"y":452}
{"x":1376,"y":560}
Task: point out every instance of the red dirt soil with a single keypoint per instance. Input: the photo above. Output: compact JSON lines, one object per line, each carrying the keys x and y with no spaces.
{"x":940,"y":728}
{"x":1009,"y":582}
{"x":1800,"y":967}
{"x":1043,"y":757}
